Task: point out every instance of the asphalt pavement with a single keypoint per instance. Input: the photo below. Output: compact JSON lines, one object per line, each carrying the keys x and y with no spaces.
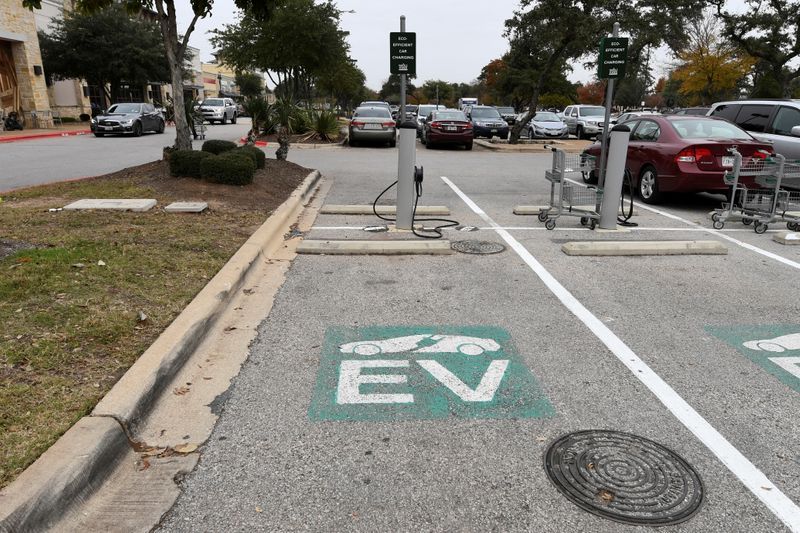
{"x":38,"y":161}
{"x":421,"y":392}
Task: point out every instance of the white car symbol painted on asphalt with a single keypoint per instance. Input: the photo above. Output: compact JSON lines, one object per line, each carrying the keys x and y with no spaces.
{"x":444,"y":344}
{"x":778,"y":344}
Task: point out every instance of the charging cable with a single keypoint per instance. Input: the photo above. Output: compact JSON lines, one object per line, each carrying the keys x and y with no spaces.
{"x":623,"y":219}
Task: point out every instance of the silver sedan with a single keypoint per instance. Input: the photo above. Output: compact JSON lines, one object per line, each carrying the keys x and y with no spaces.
{"x":372,"y":124}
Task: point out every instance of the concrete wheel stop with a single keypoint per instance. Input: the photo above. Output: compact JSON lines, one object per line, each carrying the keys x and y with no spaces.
{"x":609,"y":248}
{"x":382,"y":210}
{"x":375,"y":247}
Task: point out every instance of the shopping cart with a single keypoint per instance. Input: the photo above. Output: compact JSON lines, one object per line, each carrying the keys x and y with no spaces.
{"x":757,"y":203}
{"x":789,"y":199}
{"x":568,"y":197}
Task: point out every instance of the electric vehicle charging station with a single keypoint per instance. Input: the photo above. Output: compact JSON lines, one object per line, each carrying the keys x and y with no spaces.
{"x":402,"y":61}
{"x":615,"y":172}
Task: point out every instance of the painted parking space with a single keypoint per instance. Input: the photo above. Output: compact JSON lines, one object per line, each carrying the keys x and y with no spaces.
{"x":402,"y":373}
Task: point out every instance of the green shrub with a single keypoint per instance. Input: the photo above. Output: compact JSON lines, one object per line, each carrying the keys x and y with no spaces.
{"x":187,"y":162}
{"x":217,"y":147}
{"x":325,"y":125}
{"x":301,"y":121}
{"x":68,"y":120}
{"x":231,"y":168}
{"x":259,"y":157}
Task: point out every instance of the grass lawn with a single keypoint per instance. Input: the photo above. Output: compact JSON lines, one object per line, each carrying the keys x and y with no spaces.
{"x":84,"y":293}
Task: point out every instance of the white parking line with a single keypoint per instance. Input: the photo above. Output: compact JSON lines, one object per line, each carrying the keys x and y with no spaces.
{"x":721,"y":235}
{"x":755,"y":480}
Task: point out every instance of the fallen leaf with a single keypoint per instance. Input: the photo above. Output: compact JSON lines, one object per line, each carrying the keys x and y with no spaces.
{"x":101,"y":263}
{"x":78,"y":265}
{"x":180,"y":391}
{"x":590,"y":466}
{"x":230,"y":328}
{"x":142,"y":317}
{"x":540,"y":439}
{"x":185,"y":448}
{"x":767,"y":488}
{"x":207,"y":378}
{"x":248,"y":291}
{"x":259,"y":509}
{"x":18,"y":310}
{"x":142,"y":464}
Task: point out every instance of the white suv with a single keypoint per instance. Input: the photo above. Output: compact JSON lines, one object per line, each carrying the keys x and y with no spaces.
{"x":773,"y":121}
{"x":219,"y":110}
{"x":584,"y":120}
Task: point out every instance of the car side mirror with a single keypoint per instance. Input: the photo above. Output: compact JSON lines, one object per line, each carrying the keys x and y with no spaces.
{"x":796,"y":131}
{"x":612,"y":121}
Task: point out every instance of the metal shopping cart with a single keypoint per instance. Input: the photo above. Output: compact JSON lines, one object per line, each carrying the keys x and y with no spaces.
{"x":756,"y":203}
{"x":568,"y":197}
{"x":789,"y":199}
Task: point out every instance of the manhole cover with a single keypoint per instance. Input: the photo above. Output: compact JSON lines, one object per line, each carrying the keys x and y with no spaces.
{"x":477,"y":247}
{"x":623,"y":477}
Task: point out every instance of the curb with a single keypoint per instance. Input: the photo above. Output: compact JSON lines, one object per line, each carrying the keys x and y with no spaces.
{"x":79,"y":462}
{"x":44,"y":136}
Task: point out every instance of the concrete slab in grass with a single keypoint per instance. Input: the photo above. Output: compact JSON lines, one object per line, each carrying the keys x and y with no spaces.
{"x":644,"y":248}
{"x":382,"y":247}
{"x":186,"y":207}
{"x":787,"y":237}
{"x":113,"y":204}
{"x":535,"y":209}
{"x":382,"y":210}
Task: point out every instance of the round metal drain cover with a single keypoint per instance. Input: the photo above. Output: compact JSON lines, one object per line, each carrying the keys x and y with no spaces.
{"x":624,"y":477}
{"x":477,"y":247}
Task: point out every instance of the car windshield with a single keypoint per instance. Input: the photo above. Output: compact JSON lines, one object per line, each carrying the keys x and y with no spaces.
{"x":506,"y":110}
{"x":485,"y":112}
{"x":702,"y":128}
{"x":213,"y":102}
{"x":592,"y":111}
{"x":449,"y":115}
{"x":125,"y":108}
{"x":425,"y":109}
{"x":375,"y":104}
{"x":372,"y":112}
{"x":546,"y":117}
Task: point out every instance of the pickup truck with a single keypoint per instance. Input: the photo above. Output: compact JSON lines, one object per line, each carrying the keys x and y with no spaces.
{"x":218,"y":110}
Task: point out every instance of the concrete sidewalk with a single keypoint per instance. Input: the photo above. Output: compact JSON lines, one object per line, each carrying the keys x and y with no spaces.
{"x":65,"y":130}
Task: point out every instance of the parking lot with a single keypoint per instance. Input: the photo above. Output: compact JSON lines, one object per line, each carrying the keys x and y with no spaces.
{"x":661,"y":347}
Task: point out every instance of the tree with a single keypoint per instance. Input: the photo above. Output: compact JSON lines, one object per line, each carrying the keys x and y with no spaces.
{"x":390,"y":90}
{"x":592,"y":93}
{"x":174,"y":44}
{"x":438,"y":91}
{"x":345,"y":84}
{"x":711,"y":68}
{"x":97,"y":47}
{"x":250,"y":84}
{"x":768,"y":32}
{"x":554,"y":101}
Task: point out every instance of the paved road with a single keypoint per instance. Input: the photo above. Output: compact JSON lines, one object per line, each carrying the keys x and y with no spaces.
{"x":314,"y":437}
{"x":37,"y":161}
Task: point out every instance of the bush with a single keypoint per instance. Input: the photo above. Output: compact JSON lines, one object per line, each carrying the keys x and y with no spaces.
{"x":231,"y":168}
{"x":85,"y":117}
{"x":325,"y":125}
{"x":217,"y":147}
{"x":187,"y":163}
{"x":68,"y":120}
{"x":259,"y":157}
{"x":301,"y":121}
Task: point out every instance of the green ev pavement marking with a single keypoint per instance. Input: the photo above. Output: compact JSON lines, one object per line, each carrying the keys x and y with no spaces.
{"x":403,"y":373}
{"x":775,"y":348}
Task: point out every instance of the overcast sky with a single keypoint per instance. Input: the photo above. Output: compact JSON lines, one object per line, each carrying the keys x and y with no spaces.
{"x":454,"y":41}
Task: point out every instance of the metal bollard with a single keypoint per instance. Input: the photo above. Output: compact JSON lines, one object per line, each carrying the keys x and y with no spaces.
{"x":407,"y":158}
{"x":615,"y":172}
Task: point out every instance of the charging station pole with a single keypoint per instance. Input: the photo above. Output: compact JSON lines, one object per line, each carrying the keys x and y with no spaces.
{"x":615,"y":172}
{"x":402,"y":61}
{"x":601,"y":174}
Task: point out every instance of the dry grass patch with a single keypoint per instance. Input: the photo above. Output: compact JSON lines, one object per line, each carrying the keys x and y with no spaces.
{"x":76,"y":285}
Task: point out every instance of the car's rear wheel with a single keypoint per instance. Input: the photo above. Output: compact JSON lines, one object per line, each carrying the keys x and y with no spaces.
{"x":468,"y":146}
{"x":137,"y":129}
{"x":392,"y":143}
{"x":98,"y":134}
{"x":579,"y":132}
{"x":648,"y":186}
{"x":224,"y":119}
{"x":233,"y":120}
{"x":351,"y":141}
{"x":160,"y":128}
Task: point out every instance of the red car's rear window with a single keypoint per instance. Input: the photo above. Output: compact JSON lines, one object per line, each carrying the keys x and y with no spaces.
{"x":703,"y":128}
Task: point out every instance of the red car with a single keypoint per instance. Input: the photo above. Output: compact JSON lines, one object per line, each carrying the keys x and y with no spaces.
{"x":448,"y":126}
{"x":683,"y":154}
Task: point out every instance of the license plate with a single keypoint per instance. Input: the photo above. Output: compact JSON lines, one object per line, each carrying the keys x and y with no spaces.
{"x":494,"y":131}
{"x":107,"y":127}
{"x":727,"y":161}
{"x":450,"y":128}
{"x":372,"y":127}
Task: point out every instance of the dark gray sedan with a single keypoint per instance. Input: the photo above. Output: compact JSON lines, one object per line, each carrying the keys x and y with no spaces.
{"x":372,"y":124}
{"x":134,"y":118}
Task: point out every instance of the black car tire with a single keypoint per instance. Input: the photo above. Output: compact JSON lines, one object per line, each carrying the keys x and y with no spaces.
{"x":160,"y":128}
{"x":579,"y":132}
{"x":350,"y":141}
{"x":648,"y":185}
{"x":468,"y":146}
{"x":98,"y":134}
{"x":137,"y":129}
{"x":392,"y":143}
{"x":224,"y":119}
{"x":428,"y":145}
{"x":233,"y":120}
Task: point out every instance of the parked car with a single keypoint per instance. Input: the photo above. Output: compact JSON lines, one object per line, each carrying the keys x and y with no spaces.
{"x":630,"y":115}
{"x":487,"y":122}
{"x":546,"y":124}
{"x":134,"y":118}
{"x":375,"y":103}
{"x":676,"y":153}
{"x":447,"y":127}
{"x":422,"y":113}
{"x":773,"y":121}
{"x":372,"y":124}
{"x":508,"y":114}
{"x":218,"y":110}
{"x":584,"y":120}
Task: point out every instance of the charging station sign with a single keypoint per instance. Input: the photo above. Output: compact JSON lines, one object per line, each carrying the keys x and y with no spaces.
{"x":613,"y":56}
{"x":403,"y":373}
{"x":403,"y":53}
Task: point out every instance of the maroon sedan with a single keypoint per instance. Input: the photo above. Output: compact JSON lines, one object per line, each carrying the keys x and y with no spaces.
{"x":447,"y":126}
{"x":683,"y":154}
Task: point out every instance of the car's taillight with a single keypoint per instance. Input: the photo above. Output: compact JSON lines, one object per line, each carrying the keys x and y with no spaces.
{"x":357,"y":123}
{"x":389,"y":124}
{"x":436,"y":125}
{"x":703,"y":156}
{"x":761,"y":154}
{"x":467,"y":126}
{"x":685,"y":156}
